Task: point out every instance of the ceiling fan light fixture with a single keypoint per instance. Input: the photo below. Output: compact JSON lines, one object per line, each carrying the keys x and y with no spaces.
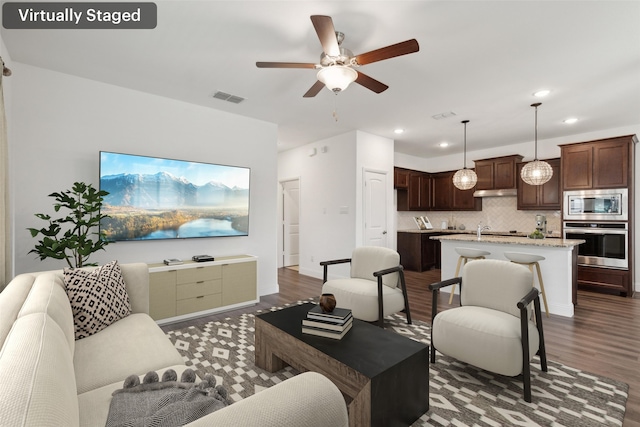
{"x":465,"y":179}
{"x":337,"y":77}
{"x":536,"y":172}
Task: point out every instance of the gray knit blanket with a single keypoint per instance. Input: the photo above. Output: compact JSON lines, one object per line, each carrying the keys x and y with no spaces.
{"x":165,"y":403}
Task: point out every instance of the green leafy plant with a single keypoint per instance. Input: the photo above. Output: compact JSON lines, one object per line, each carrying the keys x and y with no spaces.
{"x":78,"y":239}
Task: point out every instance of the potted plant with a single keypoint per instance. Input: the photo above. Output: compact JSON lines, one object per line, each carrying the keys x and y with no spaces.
{"x":72,"y":237}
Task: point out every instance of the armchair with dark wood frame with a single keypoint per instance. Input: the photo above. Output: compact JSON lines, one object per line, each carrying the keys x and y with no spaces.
{"x":522,"y":305}
{"x":378,"y":275}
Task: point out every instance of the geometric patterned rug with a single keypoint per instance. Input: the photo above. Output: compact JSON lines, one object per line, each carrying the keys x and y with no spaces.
{"x":459,"y":394}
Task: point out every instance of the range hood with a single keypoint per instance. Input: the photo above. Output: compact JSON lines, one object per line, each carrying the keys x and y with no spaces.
{"x":506,"y":192}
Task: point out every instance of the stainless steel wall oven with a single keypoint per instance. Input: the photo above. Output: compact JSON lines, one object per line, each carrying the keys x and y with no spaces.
{"x":606,"y":244}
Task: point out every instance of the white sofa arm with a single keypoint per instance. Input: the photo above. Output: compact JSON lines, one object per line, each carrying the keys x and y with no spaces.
{"x":308,"y":399}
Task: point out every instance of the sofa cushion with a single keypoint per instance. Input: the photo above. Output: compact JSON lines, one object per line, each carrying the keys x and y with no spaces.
{"x":11,"y":299}
{"x":38,"y":385}
{"x":98,"y":298}
{"x":133,"y":344}
{"x":48,"y":296}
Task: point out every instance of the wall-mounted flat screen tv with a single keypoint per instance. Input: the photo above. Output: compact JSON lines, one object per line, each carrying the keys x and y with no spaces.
{"x":156,"y":198}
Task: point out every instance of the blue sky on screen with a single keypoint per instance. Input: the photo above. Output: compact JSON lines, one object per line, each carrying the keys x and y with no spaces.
{"x":195,"y":172}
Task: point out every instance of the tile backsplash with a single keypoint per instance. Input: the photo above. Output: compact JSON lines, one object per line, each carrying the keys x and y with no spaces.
{"x":499,"y":213}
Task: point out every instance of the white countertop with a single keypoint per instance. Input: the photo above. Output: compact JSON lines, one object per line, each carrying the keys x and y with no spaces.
{"x":511,"y":240}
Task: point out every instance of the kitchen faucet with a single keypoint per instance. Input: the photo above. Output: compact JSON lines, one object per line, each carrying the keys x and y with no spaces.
{"x":482,"y":228}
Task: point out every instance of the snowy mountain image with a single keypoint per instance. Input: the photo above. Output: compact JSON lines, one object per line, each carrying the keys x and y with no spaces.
{"x":164,"y":206}
{"x":165,"y":191}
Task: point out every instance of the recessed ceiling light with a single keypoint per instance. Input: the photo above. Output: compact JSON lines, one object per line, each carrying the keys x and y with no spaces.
{"x":398,"y":131}
{"x":443,"y":144}
{"x":570,"y":120}
{"x":541,"y":93}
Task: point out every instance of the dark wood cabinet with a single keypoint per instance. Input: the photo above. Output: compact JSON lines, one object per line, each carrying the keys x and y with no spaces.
{"x":606,"y":280}
{"x":536,"y":197}
{"x":418,"y":252}
{"x":604,"y":163}
{"x":463,"y":200}
{"x":435,"y":191}
{"x":416,"y":195}
{"x":446,"y":197}
{"x":443,"y":191}
{"x":497,"y":173}
{"x":419,"y":191}
{"x":401,"y":178}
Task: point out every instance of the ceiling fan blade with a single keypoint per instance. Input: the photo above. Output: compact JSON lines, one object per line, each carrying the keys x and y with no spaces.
{"x":284,"y":65}
{"x":371,"y":83}
{"x":327,"y":34}
{"x":314,"y":90}
{"x":398,"y":49}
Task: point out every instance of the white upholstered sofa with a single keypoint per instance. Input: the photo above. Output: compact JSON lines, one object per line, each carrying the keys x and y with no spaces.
{"x":49,"y":379}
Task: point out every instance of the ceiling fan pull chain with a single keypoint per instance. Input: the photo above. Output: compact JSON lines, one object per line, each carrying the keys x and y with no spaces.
{"x":335,"y":107}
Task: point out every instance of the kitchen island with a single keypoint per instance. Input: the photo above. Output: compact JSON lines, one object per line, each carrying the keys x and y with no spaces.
{"x":559,"y":269}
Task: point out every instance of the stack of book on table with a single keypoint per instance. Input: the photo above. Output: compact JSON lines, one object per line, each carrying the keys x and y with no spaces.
{"x":330,"y":325}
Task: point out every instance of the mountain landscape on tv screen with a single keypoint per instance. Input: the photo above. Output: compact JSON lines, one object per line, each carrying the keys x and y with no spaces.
{"x":162,"y":206}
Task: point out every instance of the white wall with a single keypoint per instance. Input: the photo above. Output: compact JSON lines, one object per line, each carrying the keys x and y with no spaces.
{"x":59,"y":123}
{"x":374,"y":153}
{"x":327,"y":183}
{"x":331,"y":180}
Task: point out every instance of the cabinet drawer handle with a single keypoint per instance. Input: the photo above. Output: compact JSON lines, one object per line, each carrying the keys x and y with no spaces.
{"x":199,"y":267}
{"x":201,"y":296}
{"x":201,"y":281}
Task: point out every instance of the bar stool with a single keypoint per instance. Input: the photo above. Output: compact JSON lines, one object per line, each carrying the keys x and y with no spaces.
{"x":466,"y":254}
{"x":530,"y":260}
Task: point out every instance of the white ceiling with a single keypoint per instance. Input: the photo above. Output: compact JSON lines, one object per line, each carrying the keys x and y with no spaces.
{"x":481,"y":60}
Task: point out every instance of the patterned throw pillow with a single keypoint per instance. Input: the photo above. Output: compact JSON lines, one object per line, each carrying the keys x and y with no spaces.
{"x":98,"y":298}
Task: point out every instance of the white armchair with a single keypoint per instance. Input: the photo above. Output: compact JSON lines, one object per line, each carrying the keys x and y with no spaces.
{"x":376,"y":287}
{"x":493,"y":328}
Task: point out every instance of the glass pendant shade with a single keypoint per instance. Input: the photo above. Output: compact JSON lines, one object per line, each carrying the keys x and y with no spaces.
{"x":465,"y":179}
{"x":337,"y":77}
{"x":536,"y":172}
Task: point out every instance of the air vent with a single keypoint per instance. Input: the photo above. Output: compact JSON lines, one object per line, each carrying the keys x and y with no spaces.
{"x":228,"y":97}
{"x":443,"y":115}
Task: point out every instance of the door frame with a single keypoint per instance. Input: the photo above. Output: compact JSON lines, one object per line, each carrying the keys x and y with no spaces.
{"x":281,"y":225}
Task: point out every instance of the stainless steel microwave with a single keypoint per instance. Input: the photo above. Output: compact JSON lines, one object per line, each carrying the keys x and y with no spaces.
{"x":599,"y":205}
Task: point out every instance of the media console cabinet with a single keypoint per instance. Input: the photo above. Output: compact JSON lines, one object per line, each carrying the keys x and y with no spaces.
{"x":192,"y":289}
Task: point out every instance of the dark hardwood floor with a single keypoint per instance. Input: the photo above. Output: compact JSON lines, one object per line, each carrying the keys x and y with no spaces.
{"x":603,"y":337}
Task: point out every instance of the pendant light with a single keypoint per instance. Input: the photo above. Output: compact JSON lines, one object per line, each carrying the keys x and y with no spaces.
{"x":464,"y":179}
{"x":536,"y":172}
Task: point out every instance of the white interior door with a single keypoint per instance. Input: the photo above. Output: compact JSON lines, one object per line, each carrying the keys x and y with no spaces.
{"x":291,"y":222}
{"x":375,"y":208}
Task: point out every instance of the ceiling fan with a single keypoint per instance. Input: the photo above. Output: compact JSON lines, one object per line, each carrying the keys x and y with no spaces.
{"x":336,"y":67}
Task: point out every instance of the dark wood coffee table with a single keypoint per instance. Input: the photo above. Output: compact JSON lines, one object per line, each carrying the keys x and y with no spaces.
{"x":383,"y":376}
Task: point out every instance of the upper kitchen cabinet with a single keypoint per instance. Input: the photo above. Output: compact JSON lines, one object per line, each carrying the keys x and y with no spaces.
{"x":401,"y":178}
{"x":446,"y":197}
{"x":419,"y":191}
{"x":414,"y":190}
{"x":540,"y":197}
{"x":604,"y":163}
{"x":498,"y":173}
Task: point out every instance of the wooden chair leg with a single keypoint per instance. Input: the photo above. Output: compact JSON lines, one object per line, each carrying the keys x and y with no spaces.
{"x":453,"y":288}
{"x":544,"y":295}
